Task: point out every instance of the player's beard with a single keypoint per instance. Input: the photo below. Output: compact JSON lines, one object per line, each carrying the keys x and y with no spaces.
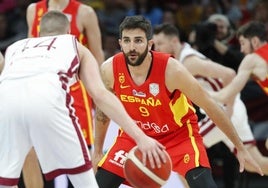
{"x":139,"y":60}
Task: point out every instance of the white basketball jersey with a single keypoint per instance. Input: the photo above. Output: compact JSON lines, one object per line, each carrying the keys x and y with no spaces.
{"x":51,"y":56}
{"x":187,"y":50}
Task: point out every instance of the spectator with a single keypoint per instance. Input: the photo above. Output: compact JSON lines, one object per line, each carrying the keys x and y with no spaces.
{"x":216,"y":39}
{"x":149,"y":9}
{"x":110,"y":17}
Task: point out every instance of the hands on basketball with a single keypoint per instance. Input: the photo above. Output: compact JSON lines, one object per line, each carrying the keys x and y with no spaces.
{"x":139,"y":175}
{"x":244,"y":157}
{"x":153,"y":150}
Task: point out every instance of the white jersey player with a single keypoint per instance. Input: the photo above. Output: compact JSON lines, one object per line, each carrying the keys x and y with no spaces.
{"x":36,"y":108}
{"x":211,"y":134}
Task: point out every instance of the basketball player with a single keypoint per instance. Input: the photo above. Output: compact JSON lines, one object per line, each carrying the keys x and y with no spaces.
{"x":252,"y":38}
{"x":36,"y":106}
{"x":253,"y":43}
{"x":84,"y":25}
{"x":213,"y":77}
{"x":153,"y":87}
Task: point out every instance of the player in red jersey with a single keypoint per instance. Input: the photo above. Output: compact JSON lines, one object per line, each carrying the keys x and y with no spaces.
{"x":252,"y":38}
{"x":157,"y":91}
{"x":84,"y":25}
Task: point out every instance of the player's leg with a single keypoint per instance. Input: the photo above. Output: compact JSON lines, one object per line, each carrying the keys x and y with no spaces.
{"x":14,"y":135}
{"x":84,"y":180}
{"x":184,"y":182}
{"x":108,"y":179}
{"x":83,"y":105}
{"x":110,"y":172}
{"x":32,"y":175}
{"x":200,"y":177}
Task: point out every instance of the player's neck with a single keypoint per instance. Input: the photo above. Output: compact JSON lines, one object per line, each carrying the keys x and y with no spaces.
{"x":58,"y":4}
{"x":140,"y":73}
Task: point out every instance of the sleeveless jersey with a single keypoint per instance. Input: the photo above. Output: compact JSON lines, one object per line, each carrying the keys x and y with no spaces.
{"x":167,"y":117}
{"x":56,"y":55}
{"x":70,"y":11}
{"x":263,"y":52}
{"x":156,"y":111}
{"x":36,"y":102}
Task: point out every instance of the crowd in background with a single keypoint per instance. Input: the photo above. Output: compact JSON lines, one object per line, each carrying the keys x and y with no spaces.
{"x":187,"y":15}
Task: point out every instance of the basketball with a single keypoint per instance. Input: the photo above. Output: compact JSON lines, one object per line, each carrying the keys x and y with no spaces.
{"x":140,"y":176}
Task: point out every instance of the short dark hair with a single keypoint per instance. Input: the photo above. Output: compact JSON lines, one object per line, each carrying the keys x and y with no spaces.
{"x":136,"y":22}
{"x":54,"y":22}
{"x":167,"y":29}
{"x":252,"y":29}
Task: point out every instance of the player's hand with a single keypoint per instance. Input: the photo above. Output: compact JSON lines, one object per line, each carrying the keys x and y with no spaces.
{"x":152,"y":150}
{"x":96,"y":157}
{"x":243,"y":157}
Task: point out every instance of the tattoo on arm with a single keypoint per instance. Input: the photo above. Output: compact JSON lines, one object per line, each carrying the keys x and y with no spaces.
{"x":100,"y":116}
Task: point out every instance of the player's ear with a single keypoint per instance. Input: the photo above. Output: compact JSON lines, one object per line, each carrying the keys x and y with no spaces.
{"x":120,"y":43}
{"x":150,"y":44}
{"x":255,"y":41}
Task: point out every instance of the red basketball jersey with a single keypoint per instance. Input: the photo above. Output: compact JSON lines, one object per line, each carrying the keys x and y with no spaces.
{"x":70,"y":11}
{"x":156,"y":111}
{"x":168,"y":117}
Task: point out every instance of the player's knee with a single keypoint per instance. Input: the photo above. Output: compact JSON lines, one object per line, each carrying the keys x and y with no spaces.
{"x":200,"y":178}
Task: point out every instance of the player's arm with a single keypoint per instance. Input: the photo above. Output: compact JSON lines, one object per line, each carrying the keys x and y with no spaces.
{"x":113,"y":108}
{"x":207,"y":68}
{"x":101,"y":120}
{"x":101,"y":126}
{"x":30,"y":13}
{"x":186,"y":83}
{"x":92,"y":31}
{"x":1,"y":62}
{"x":238,"y":83}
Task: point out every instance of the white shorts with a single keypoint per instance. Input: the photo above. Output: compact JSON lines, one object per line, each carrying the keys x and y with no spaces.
{"x":213,"y":135}
{"x":37,"y":112}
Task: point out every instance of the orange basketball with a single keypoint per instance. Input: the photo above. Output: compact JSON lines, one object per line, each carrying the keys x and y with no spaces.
{"x":140,"y":176}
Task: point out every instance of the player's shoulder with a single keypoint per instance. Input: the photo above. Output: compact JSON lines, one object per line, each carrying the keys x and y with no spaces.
{"x":250,"y":58}
{"x":85,"y":9}
{"x":107,"y":63}
{"x":31,"y":8}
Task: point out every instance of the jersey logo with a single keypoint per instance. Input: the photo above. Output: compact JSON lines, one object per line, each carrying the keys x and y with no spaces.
{"x":121,"y":79}
{"x":119,"y":158}
{"x":154,"y":89}
{"x":198,"y":175}
{"x":124,"y":86}
{"x":186,"y":158}
{"x":138,"y":93}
